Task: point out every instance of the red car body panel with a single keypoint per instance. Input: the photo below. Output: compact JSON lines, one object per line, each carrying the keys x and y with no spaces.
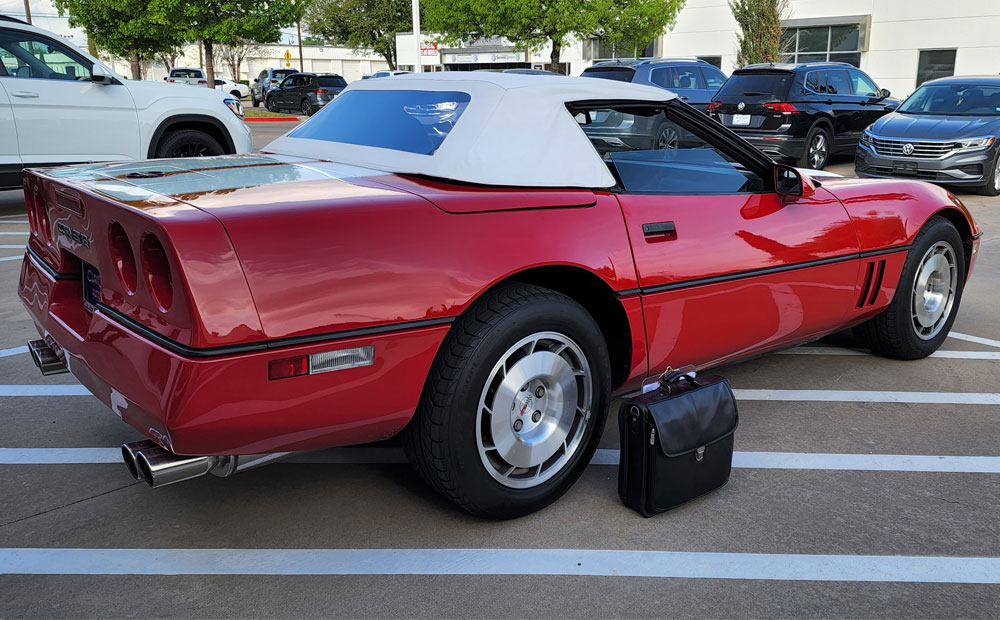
{"x":284,"y":266}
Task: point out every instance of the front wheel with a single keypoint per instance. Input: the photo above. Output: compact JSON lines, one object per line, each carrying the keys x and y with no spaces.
{"x":514,"y":405}
{"x":992,"y":187}
{"x":188,"y":143}
{"x":817,"y":152}
{"x":270,"y":105}
{"x":920,"y":315}
{"x":254,"y":100}
{"x":307,"y":108}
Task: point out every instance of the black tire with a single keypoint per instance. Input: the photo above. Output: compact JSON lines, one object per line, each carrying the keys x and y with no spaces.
{"x":442,"y":440}
{"x":307,"y":108}
{"x":253,"y":100}
{"x":666,"y":136}
{"x":269,"y":105}
{"x":806,"y":159}
{"x":188,"y":143}
{"x":992,"y":187}
{"x":893,"y":333}
{"x":236,"y":93}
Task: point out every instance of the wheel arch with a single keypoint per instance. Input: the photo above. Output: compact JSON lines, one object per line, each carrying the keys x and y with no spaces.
{"x":208,"y":124}
{"x":826,"y":122}
{"x":961,"y":224}
{"x":597,"y":298}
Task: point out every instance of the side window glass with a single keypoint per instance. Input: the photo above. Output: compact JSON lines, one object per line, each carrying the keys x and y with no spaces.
{"x":814,"y":82}
{"x":659,"y":77}
{"x":263,"y":75}
{"x":650,"y":154}
{"x":837,"y":82}
{"x":25,"y":56}
{"x":683,"y":77}
{"x":863,"y":86}
{"x":713,"y":79}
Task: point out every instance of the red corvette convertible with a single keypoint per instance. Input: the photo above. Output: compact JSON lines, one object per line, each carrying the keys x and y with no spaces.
{"x":474,"y":262}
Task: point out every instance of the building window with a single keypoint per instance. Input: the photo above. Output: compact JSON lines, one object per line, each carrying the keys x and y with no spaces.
{"x":822,"y":44}
{"x":715,"y":61}
{"x":935,"y":64}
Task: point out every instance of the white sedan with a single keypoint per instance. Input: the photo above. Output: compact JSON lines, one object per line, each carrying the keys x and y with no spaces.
{"x":236,"y":89}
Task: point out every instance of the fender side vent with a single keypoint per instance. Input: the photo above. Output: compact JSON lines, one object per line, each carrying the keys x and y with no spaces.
{"x":873,"y":283}
{"x":866,"y":286}
{"x":878,"y":282}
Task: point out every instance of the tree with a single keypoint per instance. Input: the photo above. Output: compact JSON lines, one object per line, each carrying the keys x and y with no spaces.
{"x":760,"y":26}
{"x":362,"y":25}
{"x":228,"y":22}
{"x":234,"y":55}
{"x":530,"y":24}
{"x":123,"y":28}
{"x":169,"y":57}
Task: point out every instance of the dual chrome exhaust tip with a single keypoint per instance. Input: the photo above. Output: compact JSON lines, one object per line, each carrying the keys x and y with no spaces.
{"x":158,"y":467}
{"x":47,"y":357}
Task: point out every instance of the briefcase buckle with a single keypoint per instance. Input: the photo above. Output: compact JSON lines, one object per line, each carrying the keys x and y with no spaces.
{"x":699,"y":454}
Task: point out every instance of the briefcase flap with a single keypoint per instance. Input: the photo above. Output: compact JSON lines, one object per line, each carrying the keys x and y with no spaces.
{"x":696,"y":417}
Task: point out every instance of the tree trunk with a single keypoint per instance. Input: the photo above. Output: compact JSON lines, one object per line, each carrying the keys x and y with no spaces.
{"x":298,"y":29}
{"x":27,"y":12}
{"x":136,"y":63}
{"x":554,"y":56}
{"x":209,"y":64}
{"x":166,"y":62}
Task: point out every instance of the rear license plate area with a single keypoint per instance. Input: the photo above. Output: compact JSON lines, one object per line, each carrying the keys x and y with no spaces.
{"x":91,"y":287}
{"x":741,"y":120}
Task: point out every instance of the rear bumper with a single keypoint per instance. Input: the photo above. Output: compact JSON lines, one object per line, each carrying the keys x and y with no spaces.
{"x":969,"y":169}
{"x":774,"y":145}
{"x":225,"y":404}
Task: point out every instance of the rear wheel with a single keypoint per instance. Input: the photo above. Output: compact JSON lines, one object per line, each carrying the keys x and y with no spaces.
{"x":666,"y":137}
{"x":188,"y":143}
{"x":923,"y":309}
{"x":514,"y":405}
{"x":253,"y":100}
{"x":270,"y":104}
{"x":992,"y":187}
{"x":817,"y":151}
{"x":236,"y":93}
{"x":307,"y":108}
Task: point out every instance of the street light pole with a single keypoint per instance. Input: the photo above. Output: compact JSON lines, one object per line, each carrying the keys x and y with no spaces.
{"x":416,"y":34}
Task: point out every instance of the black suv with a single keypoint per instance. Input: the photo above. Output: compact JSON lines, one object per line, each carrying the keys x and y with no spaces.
{"x":691,"y":79}
{"x":801,"y":112}
{"x":304,"y":93}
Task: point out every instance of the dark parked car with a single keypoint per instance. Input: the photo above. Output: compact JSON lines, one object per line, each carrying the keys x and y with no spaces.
{"x":693,"y":80}
{"x":948,"y":131}
{"x":305,"y":93}
{"x":268,"y":79}
{"x":801,"y":112}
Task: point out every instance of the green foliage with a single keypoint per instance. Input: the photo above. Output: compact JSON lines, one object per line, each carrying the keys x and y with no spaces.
{"x":122,"y":27}
{"x":361,"y":24}
{"x":225,"y":21}
{"x":529,"y":24}
{"x":760,"y":23}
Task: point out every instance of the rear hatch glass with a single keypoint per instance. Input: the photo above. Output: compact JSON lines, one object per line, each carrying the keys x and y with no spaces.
{"x":756,"y":86}
{"x":281,"y":74}
{"x":619,"y":74}
{"x":333,"y":82}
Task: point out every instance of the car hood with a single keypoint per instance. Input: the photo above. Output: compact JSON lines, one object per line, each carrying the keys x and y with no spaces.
{"x":934,"y":127}
{"x":145,"y":91}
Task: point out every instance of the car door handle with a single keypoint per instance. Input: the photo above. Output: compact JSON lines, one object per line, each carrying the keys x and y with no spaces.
{"x":25,"y":94}
{"x":659,"y":228}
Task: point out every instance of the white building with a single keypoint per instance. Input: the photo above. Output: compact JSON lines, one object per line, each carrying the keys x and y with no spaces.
{"x":900,"y":43}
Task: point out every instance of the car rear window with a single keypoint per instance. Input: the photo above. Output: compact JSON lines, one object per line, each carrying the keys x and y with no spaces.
{"x":282,"y":73}
{"x":402,"y":120}
{"x":185,"y":73}
{"x":763,"y":85}
{"x":619,"y":74}
{"x":332,"y":81}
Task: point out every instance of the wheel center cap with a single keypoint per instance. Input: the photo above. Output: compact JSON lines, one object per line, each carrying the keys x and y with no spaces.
{"x":523,"y":406}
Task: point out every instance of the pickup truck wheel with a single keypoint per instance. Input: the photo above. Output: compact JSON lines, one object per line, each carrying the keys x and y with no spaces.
{"x":188,"y":143}
{"x":514,"y":405}
{"x":921,"y":313}
{"x":817,"y":150}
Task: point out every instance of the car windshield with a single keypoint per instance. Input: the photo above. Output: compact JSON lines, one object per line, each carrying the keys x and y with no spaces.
{"x":771,"y":84}
{"x":953,"y":100}
{"x":332,"y":80}
{"x":620,"y":74}
{"x":403,"y":120}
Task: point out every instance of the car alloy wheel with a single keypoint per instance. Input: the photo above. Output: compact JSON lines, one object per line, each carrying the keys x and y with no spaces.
{"x":534,"y":410}
{"x":818,"y":149}
{"x":996,"y":177}
{"x":934,"y":290}
{"x":307,"y":109}
{"x":667,"y":138}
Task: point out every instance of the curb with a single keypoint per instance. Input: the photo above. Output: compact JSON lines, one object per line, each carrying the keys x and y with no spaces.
{"x":272,"y":119}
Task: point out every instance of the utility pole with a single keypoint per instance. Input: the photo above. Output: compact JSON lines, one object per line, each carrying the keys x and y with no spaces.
{"x":298,"y":29}
{"x":27,"y":12}
{"x":417,"y":68}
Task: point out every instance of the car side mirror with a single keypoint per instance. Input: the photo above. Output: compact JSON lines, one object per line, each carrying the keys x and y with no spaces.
{"x":884,"y":93}
{"x":100,"y":75}
{"x":789,"y":183}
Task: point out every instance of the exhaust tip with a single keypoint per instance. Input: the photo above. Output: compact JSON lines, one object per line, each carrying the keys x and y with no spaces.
{"x":130,"y":453}
{"x":130,"y":463}
{"x":144,"y":472}
{"x":45,"y":358}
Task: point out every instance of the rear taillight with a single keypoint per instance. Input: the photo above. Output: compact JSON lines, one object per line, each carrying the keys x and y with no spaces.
{"x":203,"y":81}
{"x":30,"y":198}
{"x":321,"y":91}
{"x":123,"y":258}
{"x":784,"y":108}
{"x":714,"y":105}
{"x":274,"y":81}
{"x":44,"y":229}
{"x":156,"y":271}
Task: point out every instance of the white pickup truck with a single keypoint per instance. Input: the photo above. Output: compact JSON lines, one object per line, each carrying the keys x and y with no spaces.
{"x":195,"y":77}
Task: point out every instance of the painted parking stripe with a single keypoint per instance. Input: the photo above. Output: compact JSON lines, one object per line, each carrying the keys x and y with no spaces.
{"x":14,"y":233}
{"x":7,"y":258}
{"x":588,"y":562}
{"x":7,"y":217}
{"x":976,"y":339}
{"x":11,"y":247}
{"x":831,"y":396}
{"x":4,"y":222}
{"x":835,"y":351}
{"x":14,"y":351}
{"x":742,"y":460}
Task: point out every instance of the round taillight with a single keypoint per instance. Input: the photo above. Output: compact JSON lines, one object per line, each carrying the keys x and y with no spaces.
{"x":44,"y":230}
{"x":156,"y":271}
{"x":30,"y":199}
{"x":122,"y":257}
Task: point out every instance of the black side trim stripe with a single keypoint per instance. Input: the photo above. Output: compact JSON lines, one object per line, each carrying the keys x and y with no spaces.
{"x":977,"y":235}
{"x":627,"y":292}
{"x":740,"y":275}
{"x":249,"y":347}
{"x":55,"y":275}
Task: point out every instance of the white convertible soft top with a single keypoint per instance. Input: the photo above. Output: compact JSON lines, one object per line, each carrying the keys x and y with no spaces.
{"x":515,"y":131}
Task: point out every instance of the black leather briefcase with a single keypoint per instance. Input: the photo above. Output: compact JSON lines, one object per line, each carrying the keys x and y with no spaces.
{"x":676,"y":442}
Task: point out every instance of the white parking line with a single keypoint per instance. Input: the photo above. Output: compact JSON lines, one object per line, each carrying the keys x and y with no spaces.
{"x":741,"y":460}
{"x":589,"y":562}
{"x":7,"y":258}
{"x":7,"y":217}
{"x":25,"y":222}
{"x":14,"y":233}
{"x":831,"y":396}
{"x":835,"y":351}
{"x":11,"y":247}
{"x":976,"y":339}
{"x":14,"y":351}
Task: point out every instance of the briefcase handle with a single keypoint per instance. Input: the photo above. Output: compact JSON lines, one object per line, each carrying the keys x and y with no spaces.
{"x":671,"y":378}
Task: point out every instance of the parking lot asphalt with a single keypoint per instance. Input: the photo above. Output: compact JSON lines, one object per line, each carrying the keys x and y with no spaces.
{"x":862,"y":487}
